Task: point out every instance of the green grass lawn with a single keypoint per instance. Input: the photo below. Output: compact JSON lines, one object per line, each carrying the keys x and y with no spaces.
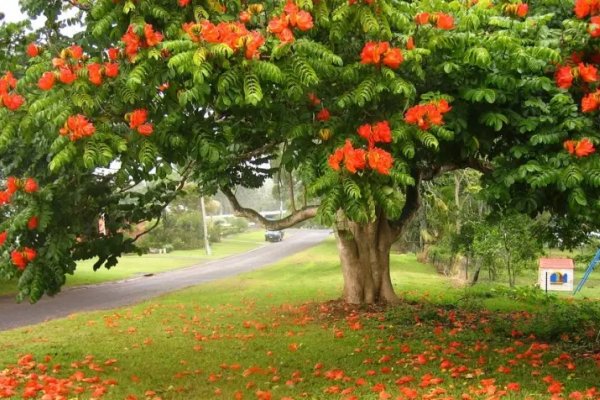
{"x":275,"y":334}
{"x":133,"y":265}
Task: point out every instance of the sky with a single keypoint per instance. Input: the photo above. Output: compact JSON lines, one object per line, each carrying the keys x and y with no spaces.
{"x":11,"y":10}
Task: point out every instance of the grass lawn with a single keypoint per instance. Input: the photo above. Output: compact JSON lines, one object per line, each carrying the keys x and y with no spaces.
{"x":134,"y":265}
{"x":275,"y":334}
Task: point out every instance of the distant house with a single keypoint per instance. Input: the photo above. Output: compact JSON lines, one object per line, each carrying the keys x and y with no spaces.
{"x":556,"y":274}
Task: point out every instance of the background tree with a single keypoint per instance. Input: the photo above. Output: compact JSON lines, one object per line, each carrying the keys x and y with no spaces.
{"x":364,"y":100}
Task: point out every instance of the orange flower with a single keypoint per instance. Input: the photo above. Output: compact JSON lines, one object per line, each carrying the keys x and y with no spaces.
{"x":7,"y":82}
{"x":152,"y":38}
{"x":393,"y":58}
{"x":335,"y":159}
{"x":145,"y":129}
{"x":581,"y":148}
{"x":3,"y":236}
{"x":522,"y":10}
{"x":583,"y":8}
{"x":12,"y":101}
{"x":314,"y":100}
{"x":183,"y":3}
{"x":32,"y":50}
{"x":138,"y":117}
{"x":245,"y":17}
{"x":304,"y":20}
{"x":563,"y":77}
{"x":254,"y":41}
{"x":132,"y":42}
{"x":590,"y":102}
{"x":426,"y":115}
{"x":354,"y":159}
{"x":410,"y":43}
{"x":594,"y":27}
{"x":588,"y":73}
{"x":278,"y":24}
{"x":21,"y":258}
{"x":18,"y":259}
{"x":323,"y":115}
{"x":380,"y":160}
{"x":584,"y":148}
{"x":12,"y":185}
{"x":286,"y":36}
{"x":32,"y":223}
{"x":77,"y":127}
{"x":76,"y":52}
{"x":5,"y":197}
{"x":95,"y":73}
{"x":444,"y":21}
{"x":113,"y":53}
{"x":46,"y":82}
{"x":373,"y":51}
{"x":194,"y":31}
{"x":422,"y":18}
{"x":382,"y":132}
{"x":30,"y":185}
{"x":66,"y":76}
{"x":111,"y":69}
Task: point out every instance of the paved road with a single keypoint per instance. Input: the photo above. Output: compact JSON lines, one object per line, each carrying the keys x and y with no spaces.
{"x":116,"y":294}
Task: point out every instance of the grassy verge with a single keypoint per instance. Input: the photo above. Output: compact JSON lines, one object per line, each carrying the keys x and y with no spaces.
{"x":273,"y":334}
{"x":134,"y":265}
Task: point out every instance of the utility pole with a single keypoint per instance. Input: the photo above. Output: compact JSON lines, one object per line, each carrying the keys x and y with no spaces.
{"x":205,"y":227}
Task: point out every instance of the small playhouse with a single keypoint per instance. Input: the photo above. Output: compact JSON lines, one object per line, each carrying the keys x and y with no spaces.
{"x":556,"y":274}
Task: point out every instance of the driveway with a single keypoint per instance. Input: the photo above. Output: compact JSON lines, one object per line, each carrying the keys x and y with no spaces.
{"x":130,"y":291}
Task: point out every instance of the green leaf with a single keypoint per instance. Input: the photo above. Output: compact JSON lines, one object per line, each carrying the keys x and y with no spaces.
{"x":252,"y":90}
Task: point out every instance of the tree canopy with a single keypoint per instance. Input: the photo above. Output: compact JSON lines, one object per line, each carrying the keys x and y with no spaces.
{"x":361,"y":99}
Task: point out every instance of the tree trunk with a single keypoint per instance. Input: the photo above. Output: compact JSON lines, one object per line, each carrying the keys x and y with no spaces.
{"x":476,"y":274}
{"x":364,"y":251}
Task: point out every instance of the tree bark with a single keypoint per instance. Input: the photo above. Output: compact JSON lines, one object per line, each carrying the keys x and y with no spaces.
{"x":365,"y":259}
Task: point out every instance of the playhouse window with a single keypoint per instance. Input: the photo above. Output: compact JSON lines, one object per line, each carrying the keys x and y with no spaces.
{"x":565,"y":278}
{"x":556,"y":278}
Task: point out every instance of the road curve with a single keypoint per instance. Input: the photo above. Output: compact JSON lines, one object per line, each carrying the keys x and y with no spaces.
{"x":121,"y":293}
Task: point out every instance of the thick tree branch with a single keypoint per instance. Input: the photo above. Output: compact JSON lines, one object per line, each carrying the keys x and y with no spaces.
{"x":411,"y":206}
{"x":296,"y":217}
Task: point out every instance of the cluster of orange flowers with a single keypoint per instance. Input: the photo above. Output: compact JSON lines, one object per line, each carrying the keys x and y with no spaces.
{"x":133,"y":42}
{"x":234,"y":35}
{"x":517,"y":9}
{"x":381,"y":52}
{"x":137,"y":120}
{"x":20,"y":258}
{"x":96,"y":70}
{"x":585,"y":8}
{"x":590,"y":102}
{"x":29,"y":185}
{"x":12,"y":101}
{"x":579,"y":148}
{"x":32,"y":50}
{"x":440,"y":20}
{"x":292,"y":17}
{"x":375,"y":158}
{"x":77,"y":127}
{"x":428,"y":114}
{"x":71,"y":61}
{"x":565,"y":75}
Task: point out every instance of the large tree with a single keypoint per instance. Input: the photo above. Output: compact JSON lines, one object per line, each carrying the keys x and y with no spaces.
{"x":361,"y":100}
